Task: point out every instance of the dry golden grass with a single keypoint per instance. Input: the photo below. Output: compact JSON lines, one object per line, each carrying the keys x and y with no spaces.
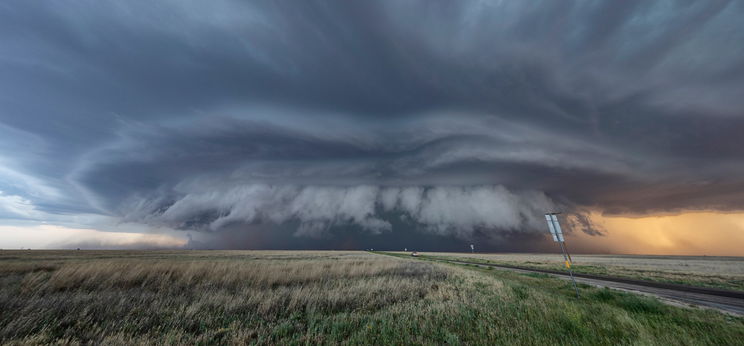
{"x":263,"y":285}
{"x":281,"y":297}
{"x":720,"y":272}
{"x":681,"y":264}
{"x":163,"y":275}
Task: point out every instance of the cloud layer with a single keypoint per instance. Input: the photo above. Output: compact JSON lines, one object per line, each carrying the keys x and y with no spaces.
{"x":452,"y":118}
{"x":443,"y":210}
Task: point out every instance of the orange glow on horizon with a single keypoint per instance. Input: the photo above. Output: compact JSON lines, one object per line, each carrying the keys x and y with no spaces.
{"x":692,"y":233}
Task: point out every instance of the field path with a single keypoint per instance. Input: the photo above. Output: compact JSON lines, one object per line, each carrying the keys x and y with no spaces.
{"x":731,"y":302}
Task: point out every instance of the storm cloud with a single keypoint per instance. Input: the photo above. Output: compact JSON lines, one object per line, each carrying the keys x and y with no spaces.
{"x":308,"y":119}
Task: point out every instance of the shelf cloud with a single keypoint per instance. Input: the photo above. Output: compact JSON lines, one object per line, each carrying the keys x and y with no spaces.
{"x":443,"y":210}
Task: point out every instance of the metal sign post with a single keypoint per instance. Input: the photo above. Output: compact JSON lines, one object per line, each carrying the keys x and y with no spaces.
{"x":557,"y":233}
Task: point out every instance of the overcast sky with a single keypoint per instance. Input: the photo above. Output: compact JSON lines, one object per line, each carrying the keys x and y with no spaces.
{"x":351,"y":124}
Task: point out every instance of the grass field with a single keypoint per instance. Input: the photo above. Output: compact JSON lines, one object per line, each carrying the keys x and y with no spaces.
{"x":706,"y":271}
{"x":275,"y":297}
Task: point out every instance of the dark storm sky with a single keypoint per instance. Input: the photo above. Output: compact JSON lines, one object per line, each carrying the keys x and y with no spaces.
{"x":344,"y":123}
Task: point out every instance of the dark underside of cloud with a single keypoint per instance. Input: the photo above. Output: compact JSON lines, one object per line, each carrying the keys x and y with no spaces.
{"x":326,"y":124}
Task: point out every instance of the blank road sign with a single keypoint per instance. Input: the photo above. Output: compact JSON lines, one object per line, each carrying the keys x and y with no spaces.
{"x":557,"y":227}
{"x":554,"y":227}
{"x":550,"y":227}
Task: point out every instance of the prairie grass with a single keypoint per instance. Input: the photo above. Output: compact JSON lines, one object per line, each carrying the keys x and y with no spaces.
{"x":707,"y":271}
{"x":249,"y":297}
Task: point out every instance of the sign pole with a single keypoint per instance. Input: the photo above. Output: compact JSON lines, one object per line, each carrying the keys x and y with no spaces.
{"x":570,"y":272}
{"x":555,"y":230}
{"x":567,"y":252}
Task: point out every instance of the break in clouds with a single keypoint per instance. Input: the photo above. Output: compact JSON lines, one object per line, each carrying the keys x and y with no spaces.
{"x":443,"y":118}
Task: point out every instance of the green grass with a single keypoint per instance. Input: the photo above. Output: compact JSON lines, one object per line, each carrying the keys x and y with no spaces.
{"x":326,"y":298}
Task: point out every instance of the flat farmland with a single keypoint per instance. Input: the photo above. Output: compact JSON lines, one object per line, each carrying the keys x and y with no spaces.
{"x":323,"y":297}
{"x":706,"y":271}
